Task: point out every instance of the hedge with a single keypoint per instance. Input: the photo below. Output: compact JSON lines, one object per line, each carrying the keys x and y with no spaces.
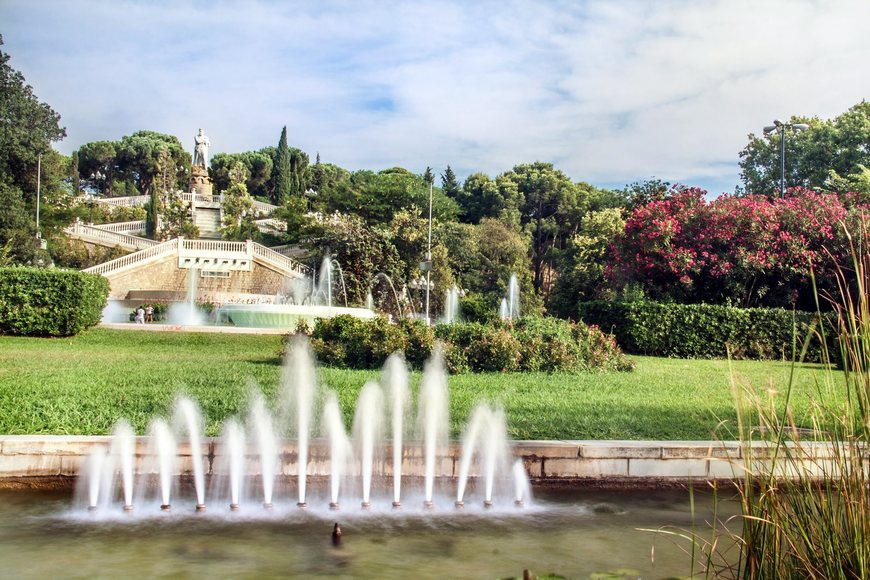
{"x":703,"y":330}
{"x":50,"y":302}
{"x":531,"y":344}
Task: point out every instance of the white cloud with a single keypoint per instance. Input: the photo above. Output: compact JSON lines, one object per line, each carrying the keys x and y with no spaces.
{"x":611,"y":91}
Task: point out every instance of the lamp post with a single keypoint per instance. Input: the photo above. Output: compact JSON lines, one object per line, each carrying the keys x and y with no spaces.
{"x":38,"y":188}
{"x":421,"y":284}
{"x":429,"y":256}
{"x":781,"y":127}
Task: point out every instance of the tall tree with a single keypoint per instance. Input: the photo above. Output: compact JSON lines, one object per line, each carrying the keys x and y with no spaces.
{"x":27,"y":129}
{"x":428,"y":176}
{"x":550,"y":213}
{"x":281,"y":171}
{"x":138,"y":157}
{"x":449,"y":185}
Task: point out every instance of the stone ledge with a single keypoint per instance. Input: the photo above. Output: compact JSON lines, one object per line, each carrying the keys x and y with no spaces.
{"x":56,"y":455}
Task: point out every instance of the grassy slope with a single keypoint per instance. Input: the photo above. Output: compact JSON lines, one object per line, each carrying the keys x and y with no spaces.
{"x":82,"y":385}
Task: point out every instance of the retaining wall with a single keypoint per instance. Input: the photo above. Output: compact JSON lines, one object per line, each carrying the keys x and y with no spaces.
{"x":41,"y":456}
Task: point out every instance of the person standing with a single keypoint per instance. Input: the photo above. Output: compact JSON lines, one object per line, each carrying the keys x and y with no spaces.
{"x":140,"y":315}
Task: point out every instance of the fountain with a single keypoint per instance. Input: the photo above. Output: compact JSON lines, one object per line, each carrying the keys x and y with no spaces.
{"x":186,"y":313}
{"x":451,"y":305}
{"x":163,"y":447}
{"x":432,"y":417}
{"x":338,"y":447}
{"x":298,"y":384}
{"x":366,"y":431}
{"x":310,"y":300}
{"x":260,"y":421}
{"x":510,"y":304}
{"x":377,"y":453}
{"x":188,"y":419}
{"x":396,"y":380}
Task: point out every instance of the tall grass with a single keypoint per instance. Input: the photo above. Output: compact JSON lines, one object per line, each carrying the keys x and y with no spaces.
{"x":803,"y":493}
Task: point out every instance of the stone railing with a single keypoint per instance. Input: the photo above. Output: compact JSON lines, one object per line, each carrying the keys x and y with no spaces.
{"x":279,"y":260}
{"x":288,"y":250}
{"x":201,"y":198}
{"x":271,"y":225}
{"x":132,"y":201}
{"x":122,"y":227}
{"x":264,"y":208}
{"x":107,"y":237}
{"x":201,"y":254}
{"x":137,"y":258}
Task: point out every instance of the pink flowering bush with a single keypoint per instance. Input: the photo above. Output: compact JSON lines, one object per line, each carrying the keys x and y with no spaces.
{"x":745,"y":251}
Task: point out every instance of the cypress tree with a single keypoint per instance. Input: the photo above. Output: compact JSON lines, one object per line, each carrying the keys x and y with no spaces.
{"x":281,"y":171}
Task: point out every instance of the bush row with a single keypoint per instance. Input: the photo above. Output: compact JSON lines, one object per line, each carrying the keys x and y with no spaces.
{"x":49,"y":302}
{"x":531,"y":344}
{"x":704,"y":330}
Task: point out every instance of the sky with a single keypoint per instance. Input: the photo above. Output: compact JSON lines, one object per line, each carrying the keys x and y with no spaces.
{"x":611,"y":91}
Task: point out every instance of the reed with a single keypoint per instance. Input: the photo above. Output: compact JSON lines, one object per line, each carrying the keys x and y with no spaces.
{"x":804,"y":510}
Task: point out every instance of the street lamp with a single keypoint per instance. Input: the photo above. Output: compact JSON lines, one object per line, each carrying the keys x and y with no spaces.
{"x":781,"y":127}
{"x":423,"y":283}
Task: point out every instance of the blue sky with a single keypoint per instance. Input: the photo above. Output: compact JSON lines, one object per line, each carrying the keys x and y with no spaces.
{"x":609,"y":91}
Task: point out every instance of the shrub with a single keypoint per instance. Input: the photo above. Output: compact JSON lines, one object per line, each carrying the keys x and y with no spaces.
{"x":702,"y":330}
{"x":531,"y":344}
{"x":48,"y":302}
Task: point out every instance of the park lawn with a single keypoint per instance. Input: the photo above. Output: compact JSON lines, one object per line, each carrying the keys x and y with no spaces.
{"x":83,"y":384}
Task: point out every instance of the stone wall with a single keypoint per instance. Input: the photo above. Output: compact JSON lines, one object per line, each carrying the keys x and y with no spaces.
{"x":34,"y":456}
{"x":167,"y":276}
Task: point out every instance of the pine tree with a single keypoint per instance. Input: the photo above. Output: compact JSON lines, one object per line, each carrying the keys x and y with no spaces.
{"x":449,"y":185}
{"x":281,"y":171}
{"x":428,"y":176}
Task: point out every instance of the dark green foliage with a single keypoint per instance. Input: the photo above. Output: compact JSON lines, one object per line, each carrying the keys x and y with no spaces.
{"x":702,"y":330}
{"x":46,"y":302}
{"x":449,"y":185}
{"x":345,"y":341}
{"x":532,"y":344}
{"x":419,"y":340}
{"x":281,"y":171}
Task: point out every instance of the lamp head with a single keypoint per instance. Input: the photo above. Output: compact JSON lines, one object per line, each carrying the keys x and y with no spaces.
{"x":769,"y":129}
{"x":800,"y":127}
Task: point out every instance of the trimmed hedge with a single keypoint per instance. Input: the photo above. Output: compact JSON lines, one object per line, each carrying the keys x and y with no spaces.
{"x":703,"y":330}
{"x":50,"y":302}
{"x":532,"y":344}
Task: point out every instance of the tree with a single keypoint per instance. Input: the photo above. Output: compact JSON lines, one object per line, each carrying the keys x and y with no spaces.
{"x":361,"y":251}
{"x":482,"y":197}
{"x":428,"y":176}
{"x":549,"y":213}
{"x":281,"y":171}
{"x":838,"y":145}
{"x":449,"y":184}
{"x":138,"y":157}
{"x":176,"y":219}
{"x":257,"y":163}
{"x":96,"y":165}
{"x":27,"y":129}
{"x":582,"y":268}
{"x":643,"y":192}
{"x":238,"y":207}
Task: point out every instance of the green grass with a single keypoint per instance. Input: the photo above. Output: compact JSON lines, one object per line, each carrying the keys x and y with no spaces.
{"x":83,"y":384}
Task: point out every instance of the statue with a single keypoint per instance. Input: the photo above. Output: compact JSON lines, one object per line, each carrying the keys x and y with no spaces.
{"x":200,"y":150}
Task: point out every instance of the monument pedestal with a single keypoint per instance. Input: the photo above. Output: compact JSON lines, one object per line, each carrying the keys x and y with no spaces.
{"x":200,"y":183}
